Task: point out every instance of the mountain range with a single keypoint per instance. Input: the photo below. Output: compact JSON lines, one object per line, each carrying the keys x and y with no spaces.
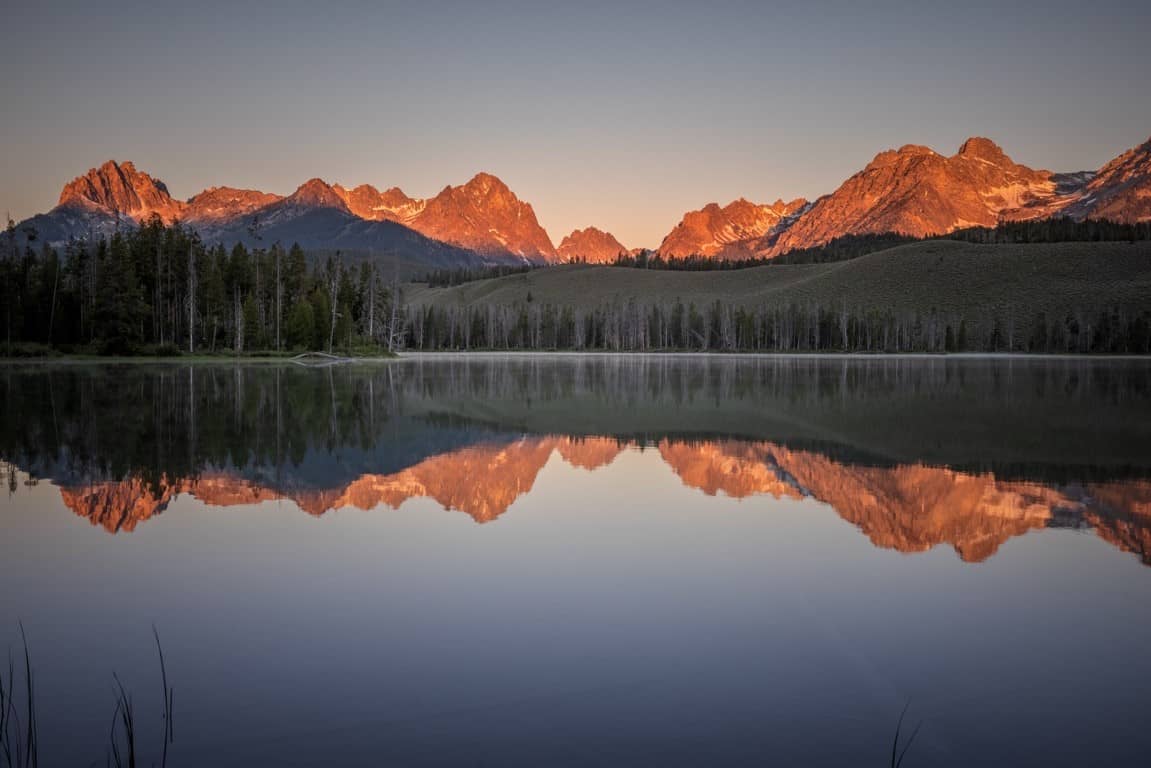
{"x":912,"y":190}
{"x":916,"y":191}
{"x":908,"y":508}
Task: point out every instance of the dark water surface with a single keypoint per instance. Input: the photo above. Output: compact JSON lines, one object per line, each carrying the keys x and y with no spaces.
{"x":586,"y":560}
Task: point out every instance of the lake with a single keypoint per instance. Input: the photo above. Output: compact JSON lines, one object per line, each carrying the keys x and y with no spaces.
{"x":585,"y":560}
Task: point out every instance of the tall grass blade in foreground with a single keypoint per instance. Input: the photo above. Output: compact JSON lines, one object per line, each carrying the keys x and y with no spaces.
{"x":126,"y":719}
{"x":19,"y":741}
{"x":169,"y":693}
{"x":898,"y":754}
{"x":122,"y":736}
{"x":4,"y":749}
{"x":31,"y":742}
{"x":7,"y":711}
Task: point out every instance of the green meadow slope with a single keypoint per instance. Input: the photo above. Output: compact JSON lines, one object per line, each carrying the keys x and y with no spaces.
{"x":945,"y":276}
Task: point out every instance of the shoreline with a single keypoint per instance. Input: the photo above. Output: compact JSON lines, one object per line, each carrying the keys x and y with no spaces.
{"x":751,"y":355}
{"x":520,"y":353}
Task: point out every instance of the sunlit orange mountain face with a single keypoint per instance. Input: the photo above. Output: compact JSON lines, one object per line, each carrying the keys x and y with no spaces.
{"x":590,"y":246}
{"x":908,"y":508}
{"x":914,"y":454}
{"x":914,"y":191}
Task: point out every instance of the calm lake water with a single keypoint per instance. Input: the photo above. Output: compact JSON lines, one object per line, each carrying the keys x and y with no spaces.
{"x":586,"y":560}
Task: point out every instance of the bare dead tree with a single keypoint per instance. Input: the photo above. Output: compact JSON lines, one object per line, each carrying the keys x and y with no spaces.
{"x":371,"y":302}
{"x":333,"y":285}
{"x":395,"y":323}
{"x":191,"y":298}
{"x":257,"y":253}
{"x":279,"y":292}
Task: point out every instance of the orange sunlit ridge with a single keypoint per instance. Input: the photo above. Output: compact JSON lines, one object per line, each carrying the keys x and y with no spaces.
{"x":908,"y":507}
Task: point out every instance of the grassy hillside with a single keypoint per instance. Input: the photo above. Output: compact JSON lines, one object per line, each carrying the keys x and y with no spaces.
{"x":941,"y":275}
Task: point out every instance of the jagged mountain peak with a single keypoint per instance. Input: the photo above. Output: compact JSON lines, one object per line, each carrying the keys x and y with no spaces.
{"x":980,"y":148}
{"x":904,"y":157}
{"x":393,"y":204}
{"x":485,"y":181}
{"x":220,"y":204}
{"x":594,"y":231}
{"x":485,"y":189}
{"x":227,"y":192}
{"x":1133,"y":162}
{"x":314,"y":185}
{"x":590,"y":245}
{"x":317,"y":193}
{"x":364,"y":189}
{"x":119,"y":188}
{"x":483,"y":214}
{"x":727,"y":231}
{"x":397,"y":196}
{"x":916,"y":191}
{"x":790,"y":206}
{"x":917,"y":149}
{"x":1121,"y":190}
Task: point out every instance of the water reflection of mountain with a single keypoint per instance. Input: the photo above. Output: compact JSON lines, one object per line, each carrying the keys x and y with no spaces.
{"x":916,"y":453}
{"x":909,"y":508}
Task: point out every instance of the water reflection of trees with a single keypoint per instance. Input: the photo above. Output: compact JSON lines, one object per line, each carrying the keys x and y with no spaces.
{"x":166,"y":419}
{"x":1061,"y":419}
{"x":915,"y":453}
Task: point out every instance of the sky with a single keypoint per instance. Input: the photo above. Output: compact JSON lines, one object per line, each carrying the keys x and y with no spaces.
{"x":622,"y":115}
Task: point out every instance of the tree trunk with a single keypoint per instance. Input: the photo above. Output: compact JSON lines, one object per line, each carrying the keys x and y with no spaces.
{"x":191,"y":300}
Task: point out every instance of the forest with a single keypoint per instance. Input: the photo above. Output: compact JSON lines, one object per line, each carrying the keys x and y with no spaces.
{"x":636,"y":326}
{"x":839,"y":249}
{"x":159,"y":290}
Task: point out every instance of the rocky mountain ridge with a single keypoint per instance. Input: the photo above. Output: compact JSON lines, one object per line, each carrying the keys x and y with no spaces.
{"x":907,"y":508}
{"x":913,"y":190}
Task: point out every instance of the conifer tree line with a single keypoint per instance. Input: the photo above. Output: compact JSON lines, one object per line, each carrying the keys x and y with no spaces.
{"x":1061,"y":229}
{"x":446,"y":278}
{"x":159,"y":289}
{"x":637,"y":326}
{"x":843,"y":248}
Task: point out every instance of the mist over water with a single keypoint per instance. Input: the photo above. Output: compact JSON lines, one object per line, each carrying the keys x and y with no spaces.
{"x":524,"y":560}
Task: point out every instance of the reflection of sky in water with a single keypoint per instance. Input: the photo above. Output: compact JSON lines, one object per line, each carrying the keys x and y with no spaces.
{"x":615,"y":617}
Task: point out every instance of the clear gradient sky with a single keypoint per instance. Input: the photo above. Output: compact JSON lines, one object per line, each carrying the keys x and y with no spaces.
{"x":620,"y":115}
